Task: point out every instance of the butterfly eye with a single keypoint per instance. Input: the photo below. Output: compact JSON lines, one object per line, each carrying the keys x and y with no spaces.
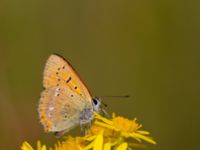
{"x":95,"y":101}
{"x":96,"y":104}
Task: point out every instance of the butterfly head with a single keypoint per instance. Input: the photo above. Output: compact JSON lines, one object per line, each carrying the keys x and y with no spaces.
{"x":96,"y":104}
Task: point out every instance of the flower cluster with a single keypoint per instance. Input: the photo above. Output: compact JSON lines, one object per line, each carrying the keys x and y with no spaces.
{"x":105,"y":134}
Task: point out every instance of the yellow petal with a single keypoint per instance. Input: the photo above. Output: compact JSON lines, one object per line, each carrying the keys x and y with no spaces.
{"x":39,"y":146}
{"x":98,"y":143}
{"x":106,"y":125}
{"x":26,"y":146}
{"x":88,"y":138}
{"x":145,"y":138}
{"x":143,"y":132}
{"x":43,"y":147}
{"x":122,"y":146}
{"x":88,"y":147}
{"x":127,"y":135}
{"x":97,"y":116}
{"x":107,"y":146}
{"x":80,"y":148}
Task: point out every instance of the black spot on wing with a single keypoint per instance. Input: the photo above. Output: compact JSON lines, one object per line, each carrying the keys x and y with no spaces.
{"x":68,"y":80}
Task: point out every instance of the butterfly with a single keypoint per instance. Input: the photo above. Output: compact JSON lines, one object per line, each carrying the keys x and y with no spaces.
{"x":65,"y":101}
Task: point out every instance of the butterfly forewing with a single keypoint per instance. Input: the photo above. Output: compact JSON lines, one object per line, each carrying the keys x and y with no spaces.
{"x":58,"y":72}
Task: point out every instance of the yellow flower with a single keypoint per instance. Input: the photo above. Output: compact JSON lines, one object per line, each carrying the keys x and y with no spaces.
{"x":70,"y":143}
{"x":122,"y":128}
{"x":105,"y":134}
{"x":122,"y":146}
{"x":27,"y":146}
{"x":125,"y":125}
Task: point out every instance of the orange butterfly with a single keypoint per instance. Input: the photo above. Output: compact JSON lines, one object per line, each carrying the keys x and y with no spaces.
{"x":65,"y":102}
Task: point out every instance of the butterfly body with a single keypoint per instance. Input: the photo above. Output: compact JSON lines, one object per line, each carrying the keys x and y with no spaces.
{"x":65,"y":101}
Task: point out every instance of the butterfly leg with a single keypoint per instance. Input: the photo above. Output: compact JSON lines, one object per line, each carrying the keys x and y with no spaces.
{"x":88,"y":126}
{"x":84,"y":128}
{"x":104,"y":112}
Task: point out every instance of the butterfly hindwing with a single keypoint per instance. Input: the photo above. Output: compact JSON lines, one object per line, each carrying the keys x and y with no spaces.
{"x":60,"y":109}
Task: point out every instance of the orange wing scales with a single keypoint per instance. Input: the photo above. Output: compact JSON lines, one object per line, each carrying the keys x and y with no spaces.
{"x":58,"y":72}
{"x":56,"y":105}
{"x":44,"y":119}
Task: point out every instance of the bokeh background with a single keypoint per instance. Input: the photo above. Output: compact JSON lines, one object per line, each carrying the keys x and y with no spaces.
{"x":148,"y":49}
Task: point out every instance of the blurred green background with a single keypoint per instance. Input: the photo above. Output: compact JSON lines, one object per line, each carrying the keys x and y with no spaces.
{"x":148,"y":49}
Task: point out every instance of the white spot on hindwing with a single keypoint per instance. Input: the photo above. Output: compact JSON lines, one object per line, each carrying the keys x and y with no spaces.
{"x":49,"y":112}
{"x":57,"y":91}
{"x":51,"y":108}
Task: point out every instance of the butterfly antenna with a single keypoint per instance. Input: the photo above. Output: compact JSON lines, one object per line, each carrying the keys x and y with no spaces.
{"x":105,"y":105}
{"x":123,"y":96}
